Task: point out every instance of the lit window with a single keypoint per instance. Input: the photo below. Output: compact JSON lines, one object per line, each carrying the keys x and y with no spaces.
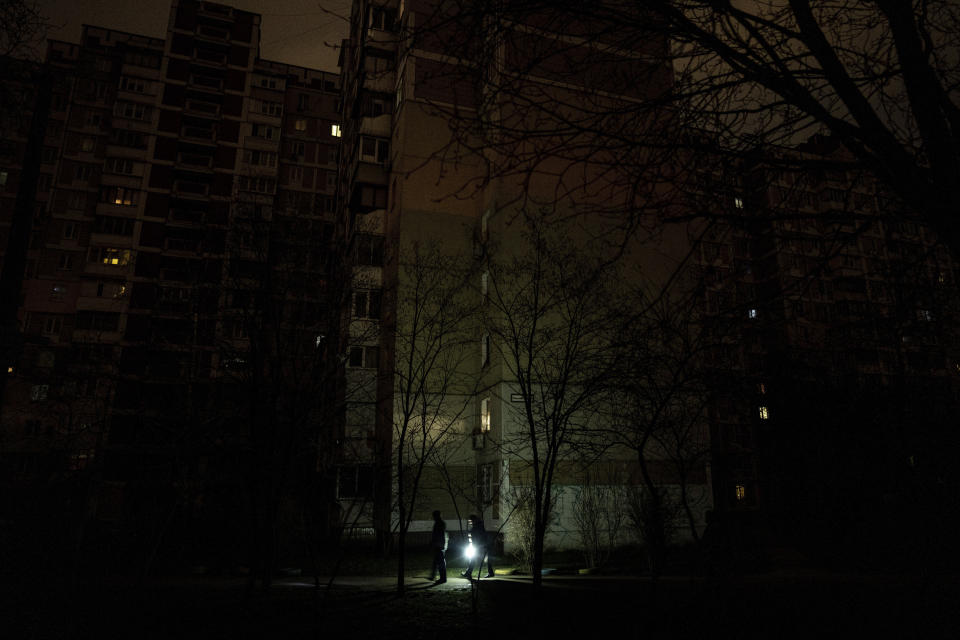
{"x":485,"y":415}
{"x":740,"y":492}
{"x":738,"y":202}
{"x":301,"y":125}
{"x":924,"y":315}
{"x":764,"y":413}
{"x":752,"y":313}
{"x":762,"y":388}
{"x":3,"y":178}
{"x":335,"y":130}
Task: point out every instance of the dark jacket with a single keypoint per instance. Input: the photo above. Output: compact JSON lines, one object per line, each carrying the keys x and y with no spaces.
{"x":438,"y":538}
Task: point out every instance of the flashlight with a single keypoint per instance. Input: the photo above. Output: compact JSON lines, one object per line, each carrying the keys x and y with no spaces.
{"x":469,"y":551}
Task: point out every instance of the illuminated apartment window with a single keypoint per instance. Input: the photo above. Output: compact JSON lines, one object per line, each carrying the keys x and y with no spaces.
{"x":740,"y":492}
{"x":764,"y":413}
{"x":301,"y":124}
{"x":335,"y":130}
{"x":485,"y":415}
{"x":738,"y":203}
{"x":110,"y":256}
{"x":924,"y":315}
{"x":752,"y":314}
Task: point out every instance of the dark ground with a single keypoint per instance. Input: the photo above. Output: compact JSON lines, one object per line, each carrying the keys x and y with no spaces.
{"x":771,"y":605}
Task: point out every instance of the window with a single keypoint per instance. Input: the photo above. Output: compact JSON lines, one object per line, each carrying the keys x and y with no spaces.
{"x":71,"y":230}
{"x":335,"y":130}
{"x":271,"y":108}
{"x":57,"y":292}
{"x":261,"y":158}
{"x":331,"y":180}
{"x":295,"y":175}
{"x":84,"y":172}
{"x":374,"y":149}
{"x":369,"y":250}
{"x":119,"y":165}
{"x":131,"y":110}
{"x":125,"y":138}
{"x":363,"y":357}
{"x":268,"y":83}
{"x":87,"y":145}
{"x":355,"y":481}
{"x":122,"y":196}
{"x":762,"y":388}
{"x":764,"y":413}
{"x":485,"y":225}
{"x":485,"y":285}
{"x":98,"y":320}
{"x":110,"y":256}
{"x":485,"y":415}
{"x":259,"y":185}
{"x":38,"y":392}
{"x":263,"y":131}
{"x":297,"y":150}
{"x":4,"y":175}
{"x":93,"y":119}
{"x":485,"y":350}
{"x":382,"y":18}
{"x":134,"y":85}
{"x":113,"y":225}
{"x":366,"y":304}
{"x":333,"y":155}
{"x":52,"y":325}
{"x":303,"y":102}
{"x":65,"y":263}
{"x":752,"y":314}
{"x":740,"y":492}
{"x":300,"y":124}
{"x":924,"y":315}
{"x":737,"y":202}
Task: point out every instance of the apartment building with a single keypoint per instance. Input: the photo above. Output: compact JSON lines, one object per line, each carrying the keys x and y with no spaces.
{"x":419,"y":199}
{"x":180,"y":251}
{"x":834,"y":312}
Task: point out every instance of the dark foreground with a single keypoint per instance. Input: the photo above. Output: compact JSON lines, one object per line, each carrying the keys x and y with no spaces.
{"x":768,"y":606}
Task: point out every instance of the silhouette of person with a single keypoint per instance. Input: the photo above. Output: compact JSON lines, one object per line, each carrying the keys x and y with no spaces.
{"x":477,"y":535}
{"x":438,"y":544}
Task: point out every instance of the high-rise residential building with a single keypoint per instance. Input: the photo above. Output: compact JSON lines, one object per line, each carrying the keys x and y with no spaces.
{"x":834,"y":310}
{"x":175,"y":309}
{"x":427,"y":208}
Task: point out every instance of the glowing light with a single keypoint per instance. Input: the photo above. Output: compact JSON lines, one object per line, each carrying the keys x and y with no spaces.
{"x":469,"y":552}
{"x":764,"y":413}
{"x":741,"y":492}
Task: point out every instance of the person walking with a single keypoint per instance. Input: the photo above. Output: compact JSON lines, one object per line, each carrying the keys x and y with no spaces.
{"x":438,"y":545}
{"x":477,"y":534}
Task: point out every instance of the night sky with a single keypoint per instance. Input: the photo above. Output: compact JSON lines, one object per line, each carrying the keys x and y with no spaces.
{"x":301,"y":32}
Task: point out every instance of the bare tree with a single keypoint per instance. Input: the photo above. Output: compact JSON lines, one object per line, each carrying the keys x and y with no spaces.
{"x":434,"y":344}
{"x":881,"y":77}
{"x":550,"y":333}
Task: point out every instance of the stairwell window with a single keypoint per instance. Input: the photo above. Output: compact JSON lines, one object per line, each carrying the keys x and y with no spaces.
{"x":485,"y":415}
{"x":335,"y":130}
{"x":485,"y":350}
